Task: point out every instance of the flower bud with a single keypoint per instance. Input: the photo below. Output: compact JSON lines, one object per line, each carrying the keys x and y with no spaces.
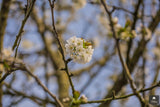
{"x":115,"y":20}
{"x":84,"y":98}
{"x":67,"y":99}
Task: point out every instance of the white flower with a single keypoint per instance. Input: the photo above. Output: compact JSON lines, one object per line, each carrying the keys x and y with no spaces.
{"x":79,"y":50}
{"x":72,"y":40}
{"x":66,"y":99}
{"x":84,"y":98}
{"x":118,"y":26}
{"x":115,"y":20}
{"x":79,"y":42}
{"x":89,"y":50}
{"x":7,"y":52}
{"x":124,"y":36}
{"x":69,"y":48}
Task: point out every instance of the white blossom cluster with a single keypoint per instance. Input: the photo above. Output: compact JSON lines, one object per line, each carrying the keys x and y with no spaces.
{"x":79,"y":50}
{"x":123,"y":33}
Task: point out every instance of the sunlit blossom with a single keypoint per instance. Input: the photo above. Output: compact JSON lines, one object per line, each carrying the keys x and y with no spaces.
{"x":84,"y":98}
{"x":7,"y":52}
{"x":79,"y":50}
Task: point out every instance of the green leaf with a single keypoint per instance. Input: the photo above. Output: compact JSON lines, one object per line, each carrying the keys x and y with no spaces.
{"x":84,"y":45}
{"x":76,"y":95}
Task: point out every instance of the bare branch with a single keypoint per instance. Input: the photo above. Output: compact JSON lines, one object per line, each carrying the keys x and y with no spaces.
{"x":60,"y":48}
{"x":120,"y":57}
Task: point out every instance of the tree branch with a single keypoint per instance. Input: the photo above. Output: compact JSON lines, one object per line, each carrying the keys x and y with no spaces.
{"x":60,"y":45}
{"x":124,"y":96}
{"x":3,"y":23}
{"x":28,"y":11}
{"x":121,"y":59}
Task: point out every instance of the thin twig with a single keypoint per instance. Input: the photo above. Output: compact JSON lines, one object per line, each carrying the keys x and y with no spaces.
{"x":24,"y":68}
{"x":11,"y":91}
{"x":120,"y":8}
{"x":6,"y":75}
{"x":60,"y":45}
{"x":59,"y":104}
{"x":23,"y":24}
{"x":122,"y":97}
{"x":120,"y":56}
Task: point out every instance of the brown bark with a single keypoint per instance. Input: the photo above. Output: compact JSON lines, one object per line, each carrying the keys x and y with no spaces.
{"x":3,"y":22}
